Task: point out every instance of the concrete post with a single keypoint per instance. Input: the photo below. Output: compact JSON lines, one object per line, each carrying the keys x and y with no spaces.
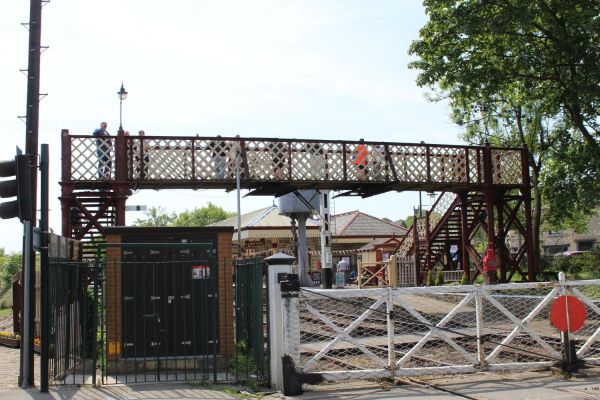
{"x":277,"y":264}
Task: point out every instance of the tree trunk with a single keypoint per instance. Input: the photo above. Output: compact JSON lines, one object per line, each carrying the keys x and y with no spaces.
{"x":537,"y":218}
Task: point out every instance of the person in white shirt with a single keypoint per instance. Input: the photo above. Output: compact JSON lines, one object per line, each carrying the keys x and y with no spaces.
{"x":343,"y":267}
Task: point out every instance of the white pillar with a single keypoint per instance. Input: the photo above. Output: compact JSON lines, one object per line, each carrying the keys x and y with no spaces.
{"x":282,"y":264}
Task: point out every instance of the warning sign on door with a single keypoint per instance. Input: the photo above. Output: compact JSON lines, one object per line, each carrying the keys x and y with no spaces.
{"x":200,"y":272}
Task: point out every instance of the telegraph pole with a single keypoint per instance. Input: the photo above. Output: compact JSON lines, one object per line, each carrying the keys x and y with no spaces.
{"x":31,"y":149}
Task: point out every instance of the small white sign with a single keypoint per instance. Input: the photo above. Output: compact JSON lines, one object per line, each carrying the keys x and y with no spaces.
{"x":135,"y":208}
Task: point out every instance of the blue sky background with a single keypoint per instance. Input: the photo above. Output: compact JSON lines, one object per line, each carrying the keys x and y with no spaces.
{"x":310,"y":70}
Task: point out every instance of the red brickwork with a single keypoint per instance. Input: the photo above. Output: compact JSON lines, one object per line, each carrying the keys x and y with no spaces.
{"x":113,"y":292}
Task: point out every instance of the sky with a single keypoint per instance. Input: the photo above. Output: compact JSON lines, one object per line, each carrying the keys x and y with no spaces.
{"x":274,"y":69}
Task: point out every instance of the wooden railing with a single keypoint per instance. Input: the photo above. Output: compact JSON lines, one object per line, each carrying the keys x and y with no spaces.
{"x":213,"y":160}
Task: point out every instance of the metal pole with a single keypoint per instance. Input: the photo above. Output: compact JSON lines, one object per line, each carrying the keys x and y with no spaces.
{"x":44,"y":273}
{"x":326,"y":259}
{"x":120,"y":114}
{"x":27,"y":349}
{"x":31,"y":149}
{"x":239,"y":207}
{"x":302,"y":254}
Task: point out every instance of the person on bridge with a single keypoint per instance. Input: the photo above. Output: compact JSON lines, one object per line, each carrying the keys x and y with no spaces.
{"x":145,"y":151}
{"x":360,"y":160}
{"x":104,"y":147}
{"x":219,"y":154}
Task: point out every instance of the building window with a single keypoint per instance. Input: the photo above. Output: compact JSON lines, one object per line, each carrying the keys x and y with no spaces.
{"x":585,"y":246}
{"x":551,"y":250}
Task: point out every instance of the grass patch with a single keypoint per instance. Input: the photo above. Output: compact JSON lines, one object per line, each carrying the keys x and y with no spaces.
{"x":6,"y":300}
{"x":7,"y":311}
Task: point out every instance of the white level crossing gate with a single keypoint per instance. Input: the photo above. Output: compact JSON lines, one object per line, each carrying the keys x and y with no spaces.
{"x":357,"y":334}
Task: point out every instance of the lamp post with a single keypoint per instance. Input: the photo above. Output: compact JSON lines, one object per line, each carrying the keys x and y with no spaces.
{"x":122,"y":96}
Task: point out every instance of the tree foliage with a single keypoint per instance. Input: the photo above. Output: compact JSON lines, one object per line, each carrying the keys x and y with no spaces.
{"x":10,"y":266}
{"x":156,"y":217}
{"x":160,"y":217}
{"x":542,"y":50}
{"x":206,"y":215}
{"x":522,"y":72}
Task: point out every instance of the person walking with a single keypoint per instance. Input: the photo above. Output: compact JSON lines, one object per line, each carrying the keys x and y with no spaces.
{"x":342,"y":267}
{"x":104,"y":147}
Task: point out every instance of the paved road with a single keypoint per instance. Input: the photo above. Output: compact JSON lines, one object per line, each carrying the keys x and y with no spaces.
{"x":9,"y":370}
{"x":482,"y":386}
{"x":522,"y":385}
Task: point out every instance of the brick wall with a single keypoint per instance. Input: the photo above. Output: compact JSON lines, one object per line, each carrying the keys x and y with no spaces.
{"x":113,"y":291}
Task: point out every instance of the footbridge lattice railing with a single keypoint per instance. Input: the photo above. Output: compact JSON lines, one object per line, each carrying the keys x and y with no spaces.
{"x":213,"y":159}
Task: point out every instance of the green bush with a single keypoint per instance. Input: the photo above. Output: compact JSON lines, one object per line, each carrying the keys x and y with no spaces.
{"x":243,"y":362}
{"x":430,"y":281}
{"x":579,"y":266}
{"x":465,"y":279}
{"x":439,"y":279}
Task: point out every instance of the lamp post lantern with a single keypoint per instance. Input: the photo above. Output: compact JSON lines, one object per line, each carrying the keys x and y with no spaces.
{"x":122,"y":96}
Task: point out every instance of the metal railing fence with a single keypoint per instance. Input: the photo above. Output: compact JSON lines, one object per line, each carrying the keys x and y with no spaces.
{"x":70,"y":304}
{"x":156,"y":318}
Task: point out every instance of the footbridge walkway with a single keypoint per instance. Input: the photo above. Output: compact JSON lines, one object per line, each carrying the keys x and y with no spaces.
{"x":98,"y":174}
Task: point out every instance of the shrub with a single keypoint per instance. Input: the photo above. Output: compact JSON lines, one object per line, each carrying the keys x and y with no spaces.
{"x":243,"y":362}
{"x":439,"y":280}
{"x":465,"y":279}
{"x":430,"y":281}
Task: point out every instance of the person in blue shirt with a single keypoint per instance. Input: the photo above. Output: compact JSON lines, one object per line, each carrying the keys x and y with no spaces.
{"x":104,"y":147}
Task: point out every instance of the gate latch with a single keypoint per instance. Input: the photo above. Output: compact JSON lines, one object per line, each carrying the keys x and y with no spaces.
{"x":185,"y":296}
{"x":128,"y":344}
{"x":155,"y":343}
{"x":185,"y":251}
{"x":154,"y":252}
{"x":127,"y":253}
{"x":127,"y":298}
{"x":169,"y":298}
{"x":154,"y":297}
{"x":189,"y":342}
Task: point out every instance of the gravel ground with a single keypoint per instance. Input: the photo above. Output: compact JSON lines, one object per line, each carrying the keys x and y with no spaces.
{"x":6,"y":323}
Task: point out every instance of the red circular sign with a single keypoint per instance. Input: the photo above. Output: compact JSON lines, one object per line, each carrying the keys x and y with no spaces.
{"x":576,"y":312}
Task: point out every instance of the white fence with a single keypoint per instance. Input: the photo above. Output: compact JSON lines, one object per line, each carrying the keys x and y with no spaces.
{"x":393,"y":332}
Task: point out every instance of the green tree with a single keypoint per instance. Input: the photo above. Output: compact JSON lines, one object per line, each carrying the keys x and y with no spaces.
{"x":544,"y":50}
{"x":387,"y":219}
{"x":408,"y":221}
{"x":571,"y":184}
{"x":206,"y":215}
{"x":522,"y":72}
{"x":13,"y":264}
{"x":156,"y":217}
